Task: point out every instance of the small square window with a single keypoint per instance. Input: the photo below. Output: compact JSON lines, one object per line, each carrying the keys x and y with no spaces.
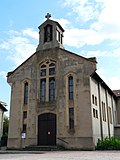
{"x":24,"y":114}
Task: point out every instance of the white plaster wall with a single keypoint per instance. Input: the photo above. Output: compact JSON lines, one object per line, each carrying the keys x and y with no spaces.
{"x":95,"y":121}
{"x":104,"y":123}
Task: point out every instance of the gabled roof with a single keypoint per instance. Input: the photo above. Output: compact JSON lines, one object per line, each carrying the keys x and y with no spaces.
{"x":103,"y":84}
{"x":93,"y":59}
{"x":3,"y":107}
{"x":11,"y":72}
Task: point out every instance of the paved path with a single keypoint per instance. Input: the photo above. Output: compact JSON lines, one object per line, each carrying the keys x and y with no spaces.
{"x":62,"y":155}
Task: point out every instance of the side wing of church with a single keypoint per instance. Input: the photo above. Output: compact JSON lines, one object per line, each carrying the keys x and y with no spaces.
{"x":57,"y":98}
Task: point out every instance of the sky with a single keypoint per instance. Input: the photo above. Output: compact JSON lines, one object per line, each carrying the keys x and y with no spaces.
{"x":92,"y":29}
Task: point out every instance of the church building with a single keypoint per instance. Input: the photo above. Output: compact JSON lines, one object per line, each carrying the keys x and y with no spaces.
{"x":58,"y":99}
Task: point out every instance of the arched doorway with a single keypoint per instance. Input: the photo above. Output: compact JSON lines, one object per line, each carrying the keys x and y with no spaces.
{"x":47,"y":129}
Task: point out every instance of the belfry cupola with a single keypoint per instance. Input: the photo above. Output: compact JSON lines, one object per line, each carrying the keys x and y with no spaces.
{"x":50,"y":34}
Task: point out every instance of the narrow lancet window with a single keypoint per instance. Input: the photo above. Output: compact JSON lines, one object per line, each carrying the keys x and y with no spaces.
{"x":26,"y":93}
{"x":71,"y":118}
{"x":70,"y":87}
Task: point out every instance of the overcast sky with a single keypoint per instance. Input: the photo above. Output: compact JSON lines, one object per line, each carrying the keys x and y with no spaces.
{"x":92,"y":28}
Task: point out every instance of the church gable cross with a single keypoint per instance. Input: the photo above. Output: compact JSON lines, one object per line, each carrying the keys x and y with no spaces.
{"x":48,"y":15}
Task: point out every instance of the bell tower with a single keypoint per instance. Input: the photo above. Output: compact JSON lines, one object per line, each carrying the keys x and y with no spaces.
{"x":50,"y":34}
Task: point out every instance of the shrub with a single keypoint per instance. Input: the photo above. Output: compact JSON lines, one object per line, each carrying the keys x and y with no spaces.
{"x":107,"y":143}
{"x":4,"y":140}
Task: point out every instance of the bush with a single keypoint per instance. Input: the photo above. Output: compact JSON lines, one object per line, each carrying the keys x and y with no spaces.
{"x":111,"y":143}
{"x":4,"y":140}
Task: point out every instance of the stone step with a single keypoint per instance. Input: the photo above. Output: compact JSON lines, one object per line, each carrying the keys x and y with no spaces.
{"x":44,"y":148}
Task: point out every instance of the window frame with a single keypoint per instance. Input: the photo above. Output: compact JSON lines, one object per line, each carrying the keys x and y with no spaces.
{"x":24,"y":130}
{"x":26,"y":85}
{"x":103,"y":111}
{"x":49,"y":92}
{"x":71,"y":118}
{"x":24,"y":115}
{"x":70,"y":87}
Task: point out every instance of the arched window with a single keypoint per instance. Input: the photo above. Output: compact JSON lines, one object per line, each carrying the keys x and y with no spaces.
{"x":48,"y":33}
{"x":52,"y":89}
{"x":43,"y":70}
{"x":51,"y":68}
{"x":26,"y":93}
{"x":47,"y":81}
{"x":70,"y":87}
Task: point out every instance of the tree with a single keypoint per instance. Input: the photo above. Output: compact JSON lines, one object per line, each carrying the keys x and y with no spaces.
{"x":5,"y":131}
{"x":5,"y":125}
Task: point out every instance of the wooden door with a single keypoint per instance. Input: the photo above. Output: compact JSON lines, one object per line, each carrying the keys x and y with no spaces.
{"x":47,"y":129}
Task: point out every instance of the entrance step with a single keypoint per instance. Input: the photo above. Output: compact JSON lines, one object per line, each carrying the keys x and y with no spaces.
{"x":44,"y":148}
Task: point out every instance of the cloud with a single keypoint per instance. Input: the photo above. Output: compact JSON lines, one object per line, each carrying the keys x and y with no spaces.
{"x":115,"y":53}
{"x":85,"y":9}
{"x":112,"y":81}
{"x":100,"y":17}
{"x":3,"y":74}
{"x":31,"y":33}
{"x":107,"y":22}
{"x":79,"y":37}
{"x":19,"y":45}
{"x":63,"y":22}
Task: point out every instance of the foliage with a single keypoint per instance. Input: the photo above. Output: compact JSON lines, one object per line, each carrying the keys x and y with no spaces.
{"x":5,"y":131}
{"x":107,"y":143}
{"x":5,"y":125}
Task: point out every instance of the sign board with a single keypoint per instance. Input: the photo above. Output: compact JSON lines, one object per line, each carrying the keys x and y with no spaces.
{"x":23,"y":135}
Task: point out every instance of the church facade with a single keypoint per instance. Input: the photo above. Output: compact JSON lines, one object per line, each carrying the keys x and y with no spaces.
{"x":58,"y":99}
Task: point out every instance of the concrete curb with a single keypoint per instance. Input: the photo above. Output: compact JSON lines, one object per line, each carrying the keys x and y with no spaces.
{"x":20,"y":152}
